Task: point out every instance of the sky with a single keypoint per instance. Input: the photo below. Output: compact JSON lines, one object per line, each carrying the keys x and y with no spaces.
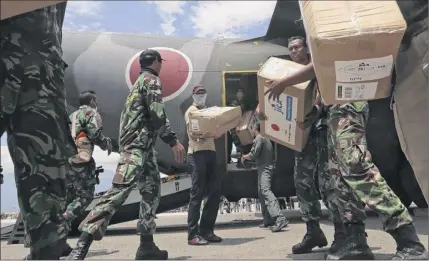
{"x":206,"y":19}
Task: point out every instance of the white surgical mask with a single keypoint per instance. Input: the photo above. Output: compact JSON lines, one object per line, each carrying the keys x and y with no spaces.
{"x":200,"y":99}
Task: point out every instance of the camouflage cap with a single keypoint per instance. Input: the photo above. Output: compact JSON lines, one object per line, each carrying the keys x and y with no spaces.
{"x":150,"y":55}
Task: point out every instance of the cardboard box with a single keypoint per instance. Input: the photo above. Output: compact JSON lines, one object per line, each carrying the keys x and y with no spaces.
{"x":9,"y":8}
{"x":353,"y":45}
{"x":246,"y":127}
{"x":296,"y":102}
{"x":206,"y":120}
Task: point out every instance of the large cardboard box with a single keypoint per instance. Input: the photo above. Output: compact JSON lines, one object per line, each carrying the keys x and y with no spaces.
{"x":206,"y":120}
{"x":294,"y":104}
{"x":246,"y":127}
{"x":9,"y":8}
{"x":353,"y":45}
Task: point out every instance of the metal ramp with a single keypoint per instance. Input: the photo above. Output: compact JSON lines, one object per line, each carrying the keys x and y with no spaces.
{"x":18,"y":233}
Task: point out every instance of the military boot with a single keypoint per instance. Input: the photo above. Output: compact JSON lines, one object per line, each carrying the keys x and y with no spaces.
{"x":82,"y":247}
{"x":149,"y":251}
{"x":339,"y":236}
{"x":66,"y":250}
{"x":51,"y":252}
{"x":314,"y":237}
{"x":408,"y":244}
{"x":354,"y":246}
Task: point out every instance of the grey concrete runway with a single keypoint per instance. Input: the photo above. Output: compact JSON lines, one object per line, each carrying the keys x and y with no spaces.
{"x":240,"y":242}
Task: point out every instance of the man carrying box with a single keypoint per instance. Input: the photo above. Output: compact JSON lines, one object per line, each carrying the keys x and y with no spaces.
{"x":311,"y":169}
{"x":202,"y":156}
{"x":262,"y":152}
{"x":355,"y":170}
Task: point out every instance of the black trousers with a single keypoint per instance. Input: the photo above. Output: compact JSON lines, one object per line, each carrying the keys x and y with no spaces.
{"x":205,"y":182}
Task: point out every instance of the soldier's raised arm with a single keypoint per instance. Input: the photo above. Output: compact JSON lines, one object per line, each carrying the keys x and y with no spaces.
{"x":157,"y":112}
{"x":94,"y":130}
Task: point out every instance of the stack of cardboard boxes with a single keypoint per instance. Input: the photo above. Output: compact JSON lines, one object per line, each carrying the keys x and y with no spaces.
{"x":353,"y":45}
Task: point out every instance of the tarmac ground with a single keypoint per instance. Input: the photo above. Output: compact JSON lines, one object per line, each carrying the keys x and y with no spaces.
{"x":243,"y":239}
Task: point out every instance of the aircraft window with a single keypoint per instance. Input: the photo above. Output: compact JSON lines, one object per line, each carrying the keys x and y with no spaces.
{"x":247,"y":83}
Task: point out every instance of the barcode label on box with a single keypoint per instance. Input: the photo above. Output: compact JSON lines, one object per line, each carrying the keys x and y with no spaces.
{"x":355,"y":91}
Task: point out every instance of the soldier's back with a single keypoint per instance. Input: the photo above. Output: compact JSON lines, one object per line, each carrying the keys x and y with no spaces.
{"x":135,"y":114}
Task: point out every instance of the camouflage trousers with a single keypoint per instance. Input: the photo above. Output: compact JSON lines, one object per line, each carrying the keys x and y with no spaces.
{"x":314,"y":180}
{"x":137,"y":168}
{"x":352,"y":161}
{"x":33,"y":112}
{"x":81,"y":183}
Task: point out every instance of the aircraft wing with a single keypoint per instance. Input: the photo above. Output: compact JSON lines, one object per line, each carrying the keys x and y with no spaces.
{"x":285,"y":21}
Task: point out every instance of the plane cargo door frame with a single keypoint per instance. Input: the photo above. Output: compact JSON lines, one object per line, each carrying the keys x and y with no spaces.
{"x":224,"y":101}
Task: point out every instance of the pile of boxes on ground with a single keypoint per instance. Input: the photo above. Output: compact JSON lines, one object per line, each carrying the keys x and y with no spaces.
{"x":353,"y":45}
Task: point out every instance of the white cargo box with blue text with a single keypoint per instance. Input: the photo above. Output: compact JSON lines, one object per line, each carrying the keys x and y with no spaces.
{"x":296,"y":102}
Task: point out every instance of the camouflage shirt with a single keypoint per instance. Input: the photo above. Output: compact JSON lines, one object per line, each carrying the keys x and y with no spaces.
{"x":88,"y":120}
{"x":143,"y":115}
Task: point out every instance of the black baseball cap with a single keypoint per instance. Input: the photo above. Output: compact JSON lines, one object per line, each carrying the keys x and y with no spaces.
{"x":149,"y":55}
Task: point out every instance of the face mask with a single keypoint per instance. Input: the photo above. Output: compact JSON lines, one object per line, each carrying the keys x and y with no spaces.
{"x":199,"y":99}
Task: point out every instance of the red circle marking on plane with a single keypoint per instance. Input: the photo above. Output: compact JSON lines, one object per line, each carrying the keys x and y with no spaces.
{"x":175,"y":75}
{"x":275,"y":127}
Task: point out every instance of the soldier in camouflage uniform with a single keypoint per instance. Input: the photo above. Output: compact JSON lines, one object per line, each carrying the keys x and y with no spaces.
{"x":351,"y":166}
{"x":353,"y":161}
{"x":87,"y":130}
{"x":33,"y":112}
{"x":311,"y":170}
{"x":142,"y":118}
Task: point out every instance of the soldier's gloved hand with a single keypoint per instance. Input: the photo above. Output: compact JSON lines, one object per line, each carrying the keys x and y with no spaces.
{"x":109,"y":146}
{"x":1,"y":179}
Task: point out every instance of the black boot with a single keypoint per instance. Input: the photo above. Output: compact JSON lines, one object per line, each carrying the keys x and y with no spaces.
{"x":149,"y":251}
{"x":314,"y":237}
{"x":82,"y":247}
{"x":66,"y":250}
{"x":408,"y":244}
{"x":354,"y":246}
{"x":51,"y":252}
{"x":339,"y":236}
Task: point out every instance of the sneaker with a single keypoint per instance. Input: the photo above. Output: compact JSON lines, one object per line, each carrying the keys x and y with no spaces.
{"x":211,"y":237}
{"x":198,"y":241}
